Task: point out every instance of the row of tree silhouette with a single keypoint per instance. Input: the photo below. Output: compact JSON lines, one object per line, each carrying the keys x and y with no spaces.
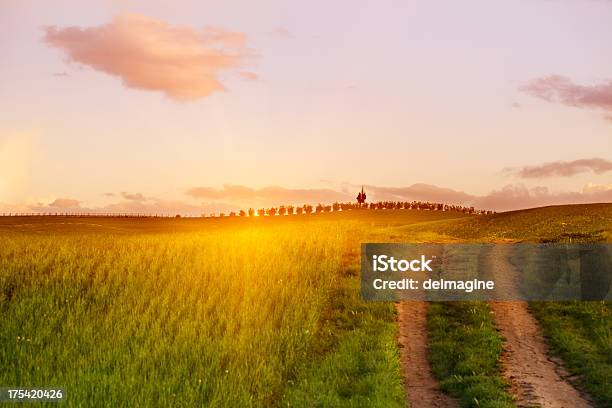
{"x":378,"y":205}
{"x":290,"y":210}
{"x":88,"y":214}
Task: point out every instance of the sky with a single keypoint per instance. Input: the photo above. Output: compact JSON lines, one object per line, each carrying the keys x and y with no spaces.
{"x":204,"y":106}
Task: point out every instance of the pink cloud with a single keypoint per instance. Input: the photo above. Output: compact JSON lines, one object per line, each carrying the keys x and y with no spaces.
{"x":560,"y":89}
{"x":275,"y":195}
{"x":282,"y":32}
{"x":420,"y":192}
{"x":134,"y":196}
{"x":266,"y":196}
{"x":514,"y":197}
{"x":152,"y":207}
{"x":251,"y":76}
{"x":65,"y":203}
{"x":590,"y":188}
{"x":160,"y":206}
{"x":150,"y":54}
{"x":563,"y":168}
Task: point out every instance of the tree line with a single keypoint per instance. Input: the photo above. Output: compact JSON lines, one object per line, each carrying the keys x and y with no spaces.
{"x":335,"y":207}
{"x":282,"y":210}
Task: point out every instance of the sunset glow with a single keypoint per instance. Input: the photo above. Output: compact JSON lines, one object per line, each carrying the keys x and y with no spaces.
{"x":201,"y":108}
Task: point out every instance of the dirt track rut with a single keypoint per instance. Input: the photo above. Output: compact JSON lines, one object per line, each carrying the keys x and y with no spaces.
{"x":536,"y":380}
{"x":421,"y":387}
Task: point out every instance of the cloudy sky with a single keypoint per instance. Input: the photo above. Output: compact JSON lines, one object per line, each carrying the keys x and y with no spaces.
{"x":203,"y":106}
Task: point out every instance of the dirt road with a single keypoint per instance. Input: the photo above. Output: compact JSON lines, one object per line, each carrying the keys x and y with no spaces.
{"x":421,"y":387}
{"x":536,"y":380}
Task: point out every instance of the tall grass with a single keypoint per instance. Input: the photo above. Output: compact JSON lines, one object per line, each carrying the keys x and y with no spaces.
{"x":220,"y":318}
{"x":581,"y":334}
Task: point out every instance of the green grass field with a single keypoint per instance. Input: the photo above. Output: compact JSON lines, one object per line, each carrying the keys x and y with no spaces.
{"x":258,"y":312}
{"x":185,"y":312}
